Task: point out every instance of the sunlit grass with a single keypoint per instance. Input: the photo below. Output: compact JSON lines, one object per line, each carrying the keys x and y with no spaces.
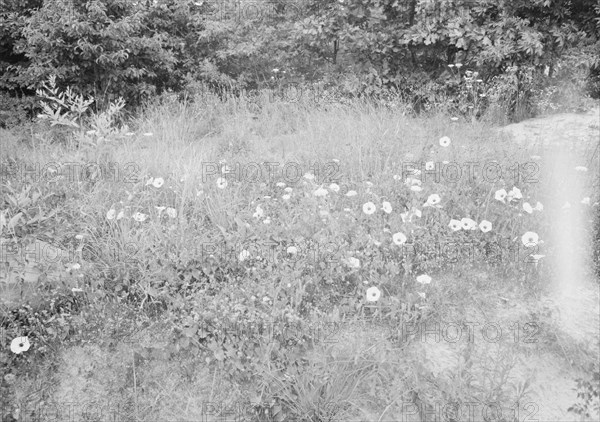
{"x":158,"y":259}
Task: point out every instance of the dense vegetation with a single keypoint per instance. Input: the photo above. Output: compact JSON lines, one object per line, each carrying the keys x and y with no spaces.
{"x":113,"y":48}
{"x":131,"y":136}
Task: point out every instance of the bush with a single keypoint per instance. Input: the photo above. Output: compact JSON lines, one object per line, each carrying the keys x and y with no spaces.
{"x":15,"y":110}
{"x":112,"y":48}
{"x":588,"y":393}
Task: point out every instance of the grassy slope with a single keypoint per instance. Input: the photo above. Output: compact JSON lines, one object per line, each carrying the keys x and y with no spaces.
{"x":366,"y":372}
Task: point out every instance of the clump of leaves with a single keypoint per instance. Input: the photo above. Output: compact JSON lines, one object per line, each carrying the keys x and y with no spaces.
{"x":588,"y":393}
{"x":65,"y":108}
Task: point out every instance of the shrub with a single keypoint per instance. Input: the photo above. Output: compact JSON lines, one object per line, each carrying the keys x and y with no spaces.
{"x":16,"y":110}
{"x":588,"y":393}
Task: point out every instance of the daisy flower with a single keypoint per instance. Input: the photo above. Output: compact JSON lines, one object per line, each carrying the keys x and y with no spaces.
{"x":221,"y":183}
{"x":455,"y":225}
{"x":432,"y":200}
{"x":19,"y":345}
{"x":352,"y":262}
{"x":373,"y":294}
{"x":244,"y":255}
{"x":515,"y":193}
{"x":485,"y":226}
{"x":530,"y":239}
{"x":444,"y":140}
{"x":259,"y":213}
{"x":410,"y":181}
{"x":139,"y":217}
{"x":321,"y":192}
{"x":424,"y":279}
{"x":158,"y":182}
{"x":73,"y":267}
{"x":369,"y":208}
{"x":399,"y":238}
{"x":500,"y":195}
{"x":468,"y":224}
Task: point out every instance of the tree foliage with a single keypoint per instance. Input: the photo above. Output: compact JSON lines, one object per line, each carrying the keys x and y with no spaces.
{"x":111,"y":48}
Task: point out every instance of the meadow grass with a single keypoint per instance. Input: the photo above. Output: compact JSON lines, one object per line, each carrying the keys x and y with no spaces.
{"x":181,"y":267}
